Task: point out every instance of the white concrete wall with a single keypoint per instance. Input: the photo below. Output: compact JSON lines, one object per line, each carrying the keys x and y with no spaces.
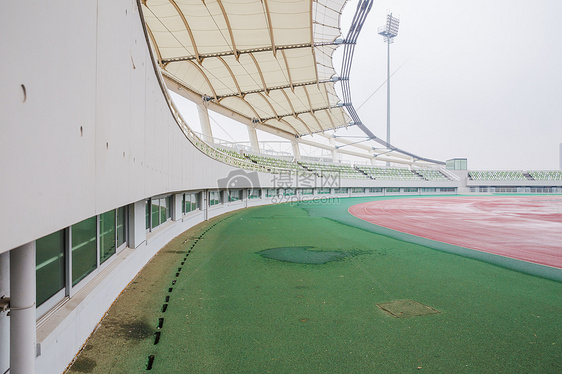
{"x":95,"y":131}
{"x":4,"y":319}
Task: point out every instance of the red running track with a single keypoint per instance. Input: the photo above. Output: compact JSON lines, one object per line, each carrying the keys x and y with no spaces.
{"x":526,"y":228}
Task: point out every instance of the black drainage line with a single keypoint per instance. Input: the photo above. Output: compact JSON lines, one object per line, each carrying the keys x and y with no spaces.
{"x":150,"y":362}
{"x":158,"y":334}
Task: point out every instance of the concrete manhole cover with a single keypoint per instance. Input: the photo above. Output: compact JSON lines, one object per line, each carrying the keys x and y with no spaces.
{"x":406,"y":308}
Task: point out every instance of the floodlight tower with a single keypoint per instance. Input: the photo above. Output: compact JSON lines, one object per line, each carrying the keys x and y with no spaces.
{"x":388,"y":31}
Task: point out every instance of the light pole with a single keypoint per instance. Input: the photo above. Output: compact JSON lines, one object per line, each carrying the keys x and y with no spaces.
{"x":388,"y":31}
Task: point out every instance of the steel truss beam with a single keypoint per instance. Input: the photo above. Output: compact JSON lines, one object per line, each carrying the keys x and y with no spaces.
{"x":246,"y":51}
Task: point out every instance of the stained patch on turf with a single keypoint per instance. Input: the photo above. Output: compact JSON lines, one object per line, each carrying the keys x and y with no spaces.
{"x":135,"y":330}
{"x":406,"y":308}
{"x":84,"y":365}
{"x":302,"y":255}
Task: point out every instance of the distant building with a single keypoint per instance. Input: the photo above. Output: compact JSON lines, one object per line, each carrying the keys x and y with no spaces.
{"x":456,"y":164}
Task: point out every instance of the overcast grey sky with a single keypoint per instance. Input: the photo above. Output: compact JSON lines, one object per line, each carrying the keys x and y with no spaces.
{"x":481,"y":79}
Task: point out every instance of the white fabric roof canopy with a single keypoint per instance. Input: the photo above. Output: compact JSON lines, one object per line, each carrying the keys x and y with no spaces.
{"x":267,"y":60}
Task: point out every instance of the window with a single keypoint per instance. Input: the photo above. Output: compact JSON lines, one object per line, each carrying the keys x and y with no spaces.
{"x":340,"y":190}
{"x":543,"y":190}
{"x":121,"y":225}
{"x":161,"y":210}
{"x":392,"y":189}
{"x":194,"y":201}
{"x":374,"y":190}
{"x":84,"y":249}
{"x":190,"y":202}
{"x":92,"y":242}
{"x":456,"y":164}
{"x":323,"y":190}
{"x":147,"y":213}
{"x":164,"y":207}
{"x":169,"y":208}
{"x":155,"y":209}
{"x":270,"y":192}
{"x":307,"y":191}
{"x":49,"y":268}
{"x":254,"y":193}
{"x":112,"y":232}
{"x":214,"y":198}
{"x":506,"y":189}
{"x":410,"y":189}
{"x":357,"y":190}
{"x":234,"y":195}
{"x":430,"y":189}
{"x":107,"y":235}
{"x":287,"y":191}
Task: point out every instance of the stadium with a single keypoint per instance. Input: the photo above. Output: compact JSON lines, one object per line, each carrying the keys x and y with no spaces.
{"x":136,"y":239}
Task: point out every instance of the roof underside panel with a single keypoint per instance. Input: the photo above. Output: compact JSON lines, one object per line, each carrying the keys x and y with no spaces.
{"x":268,"y":60}
{"x":326,"y":15}
{"x":291,"y":21}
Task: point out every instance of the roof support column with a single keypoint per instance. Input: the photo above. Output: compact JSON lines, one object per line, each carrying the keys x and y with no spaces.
{"x":334,"y":151}
{"x":22,"y":309}
{"x":373,"y":159}
{"x":137,"y":223}
{"x":296,"y":150}
{"x":252,"y":133}
{"x":205,"y":123}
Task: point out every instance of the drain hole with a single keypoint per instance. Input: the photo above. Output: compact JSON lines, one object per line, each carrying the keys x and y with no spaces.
{"x":170,"y":289}
{"x":167,"y":298}
{"x":160,"y":322}
{"x":164,"y":307}
{"x":183,"y":262}
{"x":157,"y":337}
{"x":177,"y":275}
{"x":174,"y":281}
{"x":179,"y":269}
{"x":150,"y":362}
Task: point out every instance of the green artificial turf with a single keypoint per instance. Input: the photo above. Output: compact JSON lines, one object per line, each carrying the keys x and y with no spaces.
{"x":232,"y":310}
